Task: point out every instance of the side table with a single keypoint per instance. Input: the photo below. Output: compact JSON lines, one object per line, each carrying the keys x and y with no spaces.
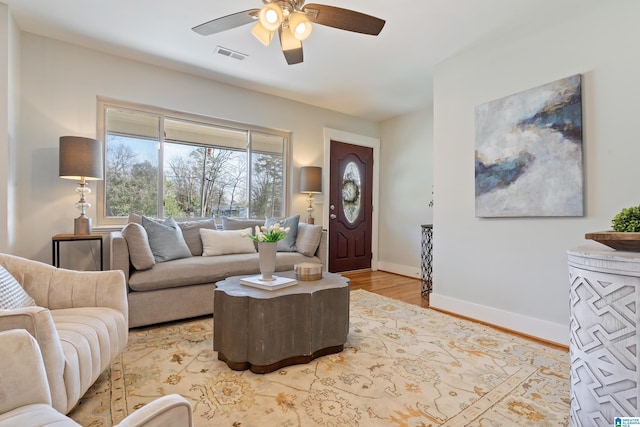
{"x":55,"y":245}
{"x":264,"y":330}
{"x":604,"y":340}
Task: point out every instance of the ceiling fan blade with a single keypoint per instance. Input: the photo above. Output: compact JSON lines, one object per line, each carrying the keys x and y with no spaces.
{"x":291,"y":47}
{"x":344,"y":19}
{"x":227,"y":22}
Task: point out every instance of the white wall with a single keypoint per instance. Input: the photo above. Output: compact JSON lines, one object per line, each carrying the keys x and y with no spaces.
{"x":60,"y":83}
{"x":514,"y":271}
{"x":406,"y":183}
{"x":9,"y":84}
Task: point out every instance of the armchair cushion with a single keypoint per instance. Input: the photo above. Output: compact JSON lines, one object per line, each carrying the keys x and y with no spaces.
{"x":12,"y":295}
{"x":25,"y":399}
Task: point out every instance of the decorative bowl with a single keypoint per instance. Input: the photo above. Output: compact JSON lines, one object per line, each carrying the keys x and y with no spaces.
{"x":307,"y":271}
{"x":617,"y":240}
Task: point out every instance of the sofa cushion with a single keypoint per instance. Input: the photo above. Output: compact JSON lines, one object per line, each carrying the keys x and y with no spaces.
{"x":222,"y":242}
{"x":165,"y":239}
{"x":12,"y":295}
{"x":140,"y":252}
{"x":288,"y":244}
{"x":191,"y":233}
{"x":308,"y":239}
{"x":199,"y":270}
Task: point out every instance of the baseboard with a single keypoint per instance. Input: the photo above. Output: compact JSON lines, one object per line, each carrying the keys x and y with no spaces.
{"x":402,"y":270}
{"x":537,"y":328}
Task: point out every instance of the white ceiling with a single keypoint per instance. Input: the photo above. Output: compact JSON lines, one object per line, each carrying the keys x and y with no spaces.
{"x":366,"y":76}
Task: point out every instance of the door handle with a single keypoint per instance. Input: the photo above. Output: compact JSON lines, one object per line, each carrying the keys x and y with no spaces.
{"x":332,"y":216}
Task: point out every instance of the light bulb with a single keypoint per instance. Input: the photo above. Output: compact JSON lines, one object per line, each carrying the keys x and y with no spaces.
{"x":299,"y":25}
{"x":271,"y":16}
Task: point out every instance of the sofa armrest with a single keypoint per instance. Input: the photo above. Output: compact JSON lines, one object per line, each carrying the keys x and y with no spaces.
{"x":171,"y":410}
{"x":38,"y":322}
{"x":119,"y":254}
{"x":24,"y":380}
{"x":321,"y":252}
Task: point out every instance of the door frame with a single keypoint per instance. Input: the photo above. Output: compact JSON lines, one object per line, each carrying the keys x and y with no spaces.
{"x":365,"y":141}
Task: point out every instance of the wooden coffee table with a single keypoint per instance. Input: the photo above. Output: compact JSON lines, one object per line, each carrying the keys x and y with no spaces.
{"x":265,"y":330}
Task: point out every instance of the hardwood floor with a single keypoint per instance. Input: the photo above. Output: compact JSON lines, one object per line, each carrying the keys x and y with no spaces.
{"x":391,"y":285}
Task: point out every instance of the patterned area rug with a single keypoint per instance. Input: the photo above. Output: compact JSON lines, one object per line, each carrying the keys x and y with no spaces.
{"x":402,"y":366}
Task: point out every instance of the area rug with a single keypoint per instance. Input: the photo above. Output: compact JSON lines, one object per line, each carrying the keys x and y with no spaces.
{"x":403,"y":365}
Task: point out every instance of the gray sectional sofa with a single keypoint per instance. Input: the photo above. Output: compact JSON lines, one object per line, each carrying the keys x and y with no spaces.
{"x":167,"y":290}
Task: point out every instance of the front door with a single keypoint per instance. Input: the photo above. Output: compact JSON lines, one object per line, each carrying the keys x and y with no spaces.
{"x":350,"y":206}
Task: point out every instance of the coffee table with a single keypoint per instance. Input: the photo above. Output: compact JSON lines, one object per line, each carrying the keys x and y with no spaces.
{"x":265,"y":330}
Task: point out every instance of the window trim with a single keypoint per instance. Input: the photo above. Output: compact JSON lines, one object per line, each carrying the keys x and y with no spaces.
{"x":104,"y":103}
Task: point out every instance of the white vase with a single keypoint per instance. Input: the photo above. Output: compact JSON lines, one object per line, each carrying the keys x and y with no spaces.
{"x":267,"y":257}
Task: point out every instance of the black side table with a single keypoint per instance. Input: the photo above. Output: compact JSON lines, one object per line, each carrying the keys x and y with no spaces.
{"x":55,"y":245}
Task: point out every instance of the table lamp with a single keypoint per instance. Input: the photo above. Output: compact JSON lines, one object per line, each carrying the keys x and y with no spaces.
{"x":310,"y":182}
{"x":81,"y":159}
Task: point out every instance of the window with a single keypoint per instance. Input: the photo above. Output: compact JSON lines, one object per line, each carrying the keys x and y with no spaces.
{"x":160,"y":163}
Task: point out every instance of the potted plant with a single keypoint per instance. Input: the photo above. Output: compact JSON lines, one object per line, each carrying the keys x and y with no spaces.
{"x":625,"y":235}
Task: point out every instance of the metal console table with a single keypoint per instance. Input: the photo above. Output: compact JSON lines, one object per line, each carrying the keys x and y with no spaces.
{"x":427,"y":261}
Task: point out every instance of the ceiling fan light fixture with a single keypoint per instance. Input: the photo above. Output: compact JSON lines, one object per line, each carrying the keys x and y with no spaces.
{"x":288,"y":41}
{"x":299,"y":25}
{"x":261,"y":33}
{"x":271,"y":16}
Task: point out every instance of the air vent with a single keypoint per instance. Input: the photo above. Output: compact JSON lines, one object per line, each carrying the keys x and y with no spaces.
{"x":230,"y":53}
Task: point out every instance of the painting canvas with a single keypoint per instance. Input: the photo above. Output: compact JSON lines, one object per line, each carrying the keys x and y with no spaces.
{"x":528,"y":158}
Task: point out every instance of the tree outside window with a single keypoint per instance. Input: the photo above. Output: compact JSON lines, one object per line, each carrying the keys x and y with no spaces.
{"x":162,"y":166}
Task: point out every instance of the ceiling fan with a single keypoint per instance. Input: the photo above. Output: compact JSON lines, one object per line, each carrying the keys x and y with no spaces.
{"x":291,"y":19}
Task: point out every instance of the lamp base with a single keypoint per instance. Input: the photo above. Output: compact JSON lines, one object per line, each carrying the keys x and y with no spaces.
{"x":310,"y":220}
{"x":82,"y":225}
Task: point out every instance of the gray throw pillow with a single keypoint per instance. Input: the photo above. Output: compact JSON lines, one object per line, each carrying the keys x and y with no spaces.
{"x":12,"y":295}
{"x":191,"y":233}
{"x":308,"y":239}
{"x":240,"y":223}
{"x":165,"y":239}
{"x":288,"y":244}
{"x":140,"y":252}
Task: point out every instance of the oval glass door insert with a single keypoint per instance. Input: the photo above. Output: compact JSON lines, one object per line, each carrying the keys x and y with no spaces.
{"x":351,"y":192}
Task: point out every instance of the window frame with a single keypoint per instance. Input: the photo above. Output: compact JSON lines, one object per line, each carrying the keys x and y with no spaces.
{"x":103,"y":104}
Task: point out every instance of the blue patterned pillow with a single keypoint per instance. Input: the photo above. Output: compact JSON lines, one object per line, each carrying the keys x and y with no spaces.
{"x":12,"y":295}
{"x":165,"y":239}
{"x":288,"y":244}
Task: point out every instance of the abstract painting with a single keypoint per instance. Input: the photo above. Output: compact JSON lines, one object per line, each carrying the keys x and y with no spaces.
{"x":528,"y":158}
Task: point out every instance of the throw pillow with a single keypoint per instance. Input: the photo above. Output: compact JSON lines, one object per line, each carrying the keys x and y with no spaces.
{"x":225,"y":242}
{"x":308,"y":239}
{"x":140,"y":252}
{"x":191,"y":233}
{"x":165,"y":239}
{"x":288,"y":244}
{"x":12,"y":295}
{"x":240,"y":224}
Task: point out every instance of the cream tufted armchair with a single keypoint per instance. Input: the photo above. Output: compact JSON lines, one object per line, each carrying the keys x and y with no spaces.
{"x":25,"y":399}
{"x":80,"y":323}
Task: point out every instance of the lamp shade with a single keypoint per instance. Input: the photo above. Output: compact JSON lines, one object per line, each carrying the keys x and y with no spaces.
{"x":299,"y":25}
{"x":311,"y":179}
{"x":80,"y":158}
